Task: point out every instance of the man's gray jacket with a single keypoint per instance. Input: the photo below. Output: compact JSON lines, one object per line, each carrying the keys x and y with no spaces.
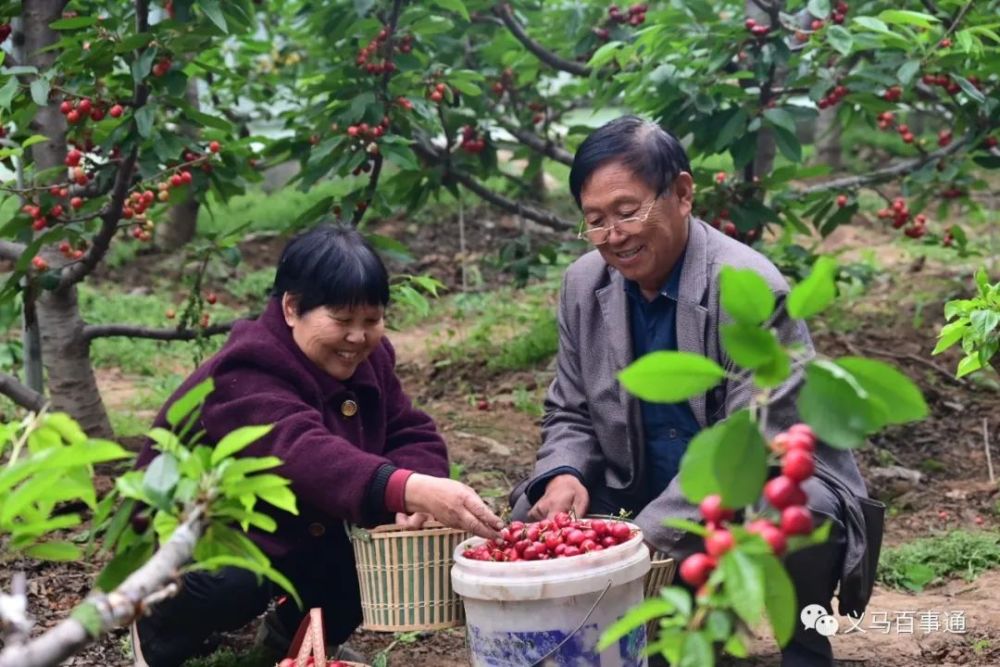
{"x":592,"y":424}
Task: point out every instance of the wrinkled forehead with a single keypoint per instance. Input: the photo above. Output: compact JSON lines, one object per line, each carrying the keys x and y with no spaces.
{"x":613,"y":184}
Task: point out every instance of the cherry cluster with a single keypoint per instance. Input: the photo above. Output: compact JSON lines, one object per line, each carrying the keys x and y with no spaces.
{"x":470,"y":142}
{"x":162,"y":66}
{"x":840,"y":12}
{"x":558,"y":537}
{"x":405,"y":103}
{"x":893,"y":94}
{"x":796,"y":446}
{"x":69,"y":252}
{"x":366,"y":131}
{"x":79,"y":110}
{"x":758,"y":30}
{"x":505,"y":82}
{"x":364,"y":59}
{"x":834,"y":96}
{"x":950,"y":86}
{"x":636,"y":14}
{"x":436,"y":92}
{"x":900,"y":215}
{"x":5,"y":31}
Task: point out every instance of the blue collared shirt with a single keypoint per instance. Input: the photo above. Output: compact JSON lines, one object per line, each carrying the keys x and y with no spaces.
{"x":668,"y":427}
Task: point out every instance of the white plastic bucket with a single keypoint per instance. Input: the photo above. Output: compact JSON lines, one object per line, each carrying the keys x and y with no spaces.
{"x":518,"y":614}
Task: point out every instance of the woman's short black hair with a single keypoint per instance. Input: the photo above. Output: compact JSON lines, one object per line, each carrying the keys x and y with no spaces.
{"x":331,"y":265}
{"x":651,"y":152}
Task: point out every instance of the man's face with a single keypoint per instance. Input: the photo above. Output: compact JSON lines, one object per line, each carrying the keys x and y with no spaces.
{"x":614,"y":192}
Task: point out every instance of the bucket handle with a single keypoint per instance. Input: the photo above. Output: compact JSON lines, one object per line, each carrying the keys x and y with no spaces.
{"x":541,"y":661}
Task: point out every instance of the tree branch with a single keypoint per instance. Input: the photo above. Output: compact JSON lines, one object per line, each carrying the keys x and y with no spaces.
{"x":502,"y":10}
{"x":551,"y":220}
{"x":899,"y":169}
{"x":112,"y":212}
{"x":539,"y":144}
{"x":92,"y":331}
{"x":11,"y":250}
{"x":115,"y":609}
{"x":20,"y":393}
{"x":932,"y":8}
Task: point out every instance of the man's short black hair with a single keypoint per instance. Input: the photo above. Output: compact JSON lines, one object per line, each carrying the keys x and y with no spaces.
{"x":651,"y":152}
{"x":331,"y":265}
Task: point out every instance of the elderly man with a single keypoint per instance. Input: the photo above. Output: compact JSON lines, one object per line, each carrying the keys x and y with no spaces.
{"x":652,"y":283}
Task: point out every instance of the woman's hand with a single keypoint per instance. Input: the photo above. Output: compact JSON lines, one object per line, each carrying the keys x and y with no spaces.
{"x":413,"y":521}
{"x":452,"y":503}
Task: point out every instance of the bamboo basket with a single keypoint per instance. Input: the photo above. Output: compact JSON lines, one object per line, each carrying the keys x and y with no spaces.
{"x":405,"y":577}
{"x":661,"y":573}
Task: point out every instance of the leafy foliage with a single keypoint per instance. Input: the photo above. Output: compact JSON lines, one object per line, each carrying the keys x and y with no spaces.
{"x":915,"y":565}
{"x":975,"y":323}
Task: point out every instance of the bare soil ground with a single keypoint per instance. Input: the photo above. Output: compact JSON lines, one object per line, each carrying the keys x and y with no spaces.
{"x":895,"y":320}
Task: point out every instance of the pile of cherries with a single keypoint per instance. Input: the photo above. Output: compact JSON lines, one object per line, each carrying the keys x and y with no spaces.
{"x":796,"y":446}
{"x":562,"y":536}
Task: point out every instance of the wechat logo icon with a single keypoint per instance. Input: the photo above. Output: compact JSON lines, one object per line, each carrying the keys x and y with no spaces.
{"x":815,"y":617}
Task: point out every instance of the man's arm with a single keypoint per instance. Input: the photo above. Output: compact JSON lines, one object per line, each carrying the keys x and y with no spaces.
{"x":569,"y":446}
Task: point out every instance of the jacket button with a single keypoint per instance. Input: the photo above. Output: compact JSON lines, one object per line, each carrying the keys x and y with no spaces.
{"x":316,"y":529}
{"x":349,"y":408}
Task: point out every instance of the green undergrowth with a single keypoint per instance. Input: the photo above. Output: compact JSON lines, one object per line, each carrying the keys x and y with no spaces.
{"x":930,"y":560}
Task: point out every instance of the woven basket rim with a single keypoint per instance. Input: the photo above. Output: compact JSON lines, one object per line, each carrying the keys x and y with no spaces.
{"x":391,"y":531}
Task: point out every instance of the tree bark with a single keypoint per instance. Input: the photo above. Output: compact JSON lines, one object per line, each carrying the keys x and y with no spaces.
{"x":182,"y":219}
{"x":828,"y":139}
{"x":65,"y":353}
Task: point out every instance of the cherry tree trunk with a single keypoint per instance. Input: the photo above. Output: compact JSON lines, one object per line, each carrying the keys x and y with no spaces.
{"x":827,"y":139}
{"x":65,"y":354}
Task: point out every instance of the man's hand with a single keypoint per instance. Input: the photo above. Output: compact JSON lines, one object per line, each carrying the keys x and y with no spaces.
{"x":452,"y":503}
{"x":413,"y":521}
{"x":563,"y":493}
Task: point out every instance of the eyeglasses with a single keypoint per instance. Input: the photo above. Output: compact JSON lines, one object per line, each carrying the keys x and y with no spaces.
{"x":631,"y":224}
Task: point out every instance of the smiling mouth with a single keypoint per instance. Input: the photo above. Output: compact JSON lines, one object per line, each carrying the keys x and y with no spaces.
{"x":628,"y":254}
{"x":348,"y":356}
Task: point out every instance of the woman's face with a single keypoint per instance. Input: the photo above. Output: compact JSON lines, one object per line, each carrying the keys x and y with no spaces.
{"x":335,"y":339}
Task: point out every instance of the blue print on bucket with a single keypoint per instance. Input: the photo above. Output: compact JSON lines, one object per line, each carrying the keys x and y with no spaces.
{"x":630,"y":647}
{"x":522,"y":649}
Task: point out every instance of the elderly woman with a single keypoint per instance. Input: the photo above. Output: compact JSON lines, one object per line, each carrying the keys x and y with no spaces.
{"x":317,"y":366}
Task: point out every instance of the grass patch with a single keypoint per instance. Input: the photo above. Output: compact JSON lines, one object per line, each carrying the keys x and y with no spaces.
{"x":931,"y":560}
{"x":227,"y":657}
{"x":267,"y":212}
{"x":504,"y":330}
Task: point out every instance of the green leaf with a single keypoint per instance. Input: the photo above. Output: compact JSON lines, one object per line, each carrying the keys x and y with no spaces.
{"x":819,"y":8}
{"x":57,"y":551}
{"x":840,"y":39}
{"x":905,"y":17}
{"x":729,"y":458}
{"x":142,"y":65}
{"x":686,"y":525}
{"x":974,"y":93}
{"x":900,"y":396}
{"x":73,"y":23}
{"x":282,"y":498}
{"x":871,"y":23}
{"x":816,"y":292}
{"x":749,"y":346}
{"x":161,"y":476}
{"x":949,"y":335}
{"x":744,"y":581}
{"x":788,"y":144}
{"x":144,"y":118}
{"x":183,"y":406}
{"x":214,"y":14}
{"x":671,"y":377}
{"x":456,"y":6}
{"x":207,"y":120}
{"x":124,"y":564}
{"x":696,"y":651}
{"x":605,"y":54}
{"x":7,"y":92}
{"x":401,"y":155}
{"x":907,"y":71}
{"x":746,"y":296}
{"x":968,"y":364}
{"x":983,"y":322}
{"x":89,"y":616}
{"x":734,"y":127}
{"x":635,"y":617}
{"x":779,"y":598}
{"x":780,"y":118}
{"x":238,"y":440}
{"x":218,"y":562}
{"x":740,"y":466}
{"x":835,"y":405}
{"x":40,"y":91}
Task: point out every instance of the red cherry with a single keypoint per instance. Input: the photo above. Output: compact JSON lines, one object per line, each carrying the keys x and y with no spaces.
{"x":73,"y":117}
{"x":214,"y":147}
{"x":211,"y":298}
{"x":76,"y":202}
{"x":621,"y":532}
{"x":712,"y":510}
{"x":841,"y":201}
{"x":65,"y":107}
{"x":719,"y":542}
{"x":116,"y":111}
{"x":796,"y":520}
{"x":562,"y":519}
{"x":775,"y":538}
{"x":39,"y":263}
{"x":798,"y":465}
{"x":176,"y":180}
{"x":186,"y":177}
{"x":696,"y":569}
{"x":782,"y":492}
